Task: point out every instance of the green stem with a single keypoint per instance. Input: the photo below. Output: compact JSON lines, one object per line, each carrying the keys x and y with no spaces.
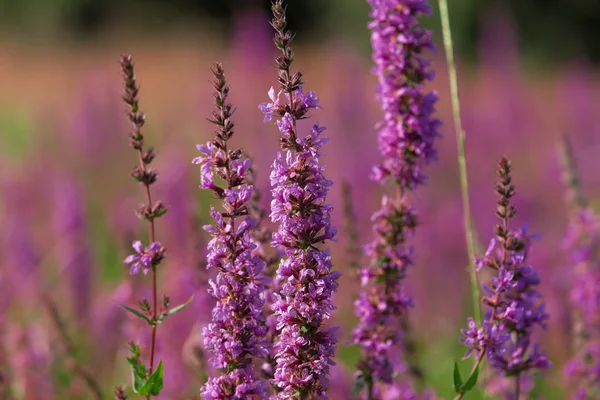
{"x":462,"y":162}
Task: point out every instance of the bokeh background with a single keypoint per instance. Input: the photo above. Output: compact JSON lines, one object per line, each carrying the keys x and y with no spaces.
{"x":527,"y":75}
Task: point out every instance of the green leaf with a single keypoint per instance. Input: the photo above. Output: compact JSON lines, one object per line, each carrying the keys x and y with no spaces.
{"x":349,"y":354}
{"x":359,"y":385}
{"x":176,"y":309}
{"x":472,"y":381}
{"x":232,"y":367}
{"x":17,"y":134}
{"x":458,"y":382}
{"x":160,"y":212}
{"x":154,"y":384}
{"x":138,"y":374}
{"x":60,"y":373}
{"x":135,"y":312}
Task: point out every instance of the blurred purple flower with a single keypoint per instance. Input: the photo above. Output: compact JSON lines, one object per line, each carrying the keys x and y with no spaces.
{"x":583,"y":243}
{"x":251,"y":44}
{"x":31,"y":356}
{"x":340,"y":385}
{"x":95,"y":124}
{"x":21,"y":254}
{"x":73,"y":248}
{"x":107,"y":324}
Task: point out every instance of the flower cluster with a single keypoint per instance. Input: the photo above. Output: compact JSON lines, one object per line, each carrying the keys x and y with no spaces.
{"x":304,"y":349}
{"x":514,"y":306}
{"x":407,"y":135}
{"x":237,"y":332}
{"x":407,"y":131}
{"x":583,"y":242}
{"x":383,"y":300}
{"x":262,"y":237}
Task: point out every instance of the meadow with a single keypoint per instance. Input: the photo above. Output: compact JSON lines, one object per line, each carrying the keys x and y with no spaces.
{"x":68,"y":201}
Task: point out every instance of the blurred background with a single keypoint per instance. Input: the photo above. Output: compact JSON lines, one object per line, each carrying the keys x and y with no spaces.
{"x":527,"y":75}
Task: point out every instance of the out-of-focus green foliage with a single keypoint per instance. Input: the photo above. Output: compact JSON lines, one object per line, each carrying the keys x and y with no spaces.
{"x":549,"y":30}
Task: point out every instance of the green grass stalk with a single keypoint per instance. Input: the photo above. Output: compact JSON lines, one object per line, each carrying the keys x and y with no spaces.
{"x":462,"y":161}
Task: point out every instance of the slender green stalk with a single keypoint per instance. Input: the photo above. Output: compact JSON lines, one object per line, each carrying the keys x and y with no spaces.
{"x":462,"y":162}
{"x":576,"y":203}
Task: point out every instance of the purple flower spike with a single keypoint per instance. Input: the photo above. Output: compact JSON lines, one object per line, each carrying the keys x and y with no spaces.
{"x":144,"y":258}
{"x":514,"y":306}
{"x":237,"y":333}
{"x":408,"y":130}
{"x":583,"y":243}
{"x":305,"y":349}
{"x":407,"y":135}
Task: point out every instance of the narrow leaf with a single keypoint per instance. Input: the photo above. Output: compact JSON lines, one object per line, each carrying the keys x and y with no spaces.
{"x":138,"y":374}
{"x":135,"y":312}
{"x":458,"y":382}
{"x":154,"y":384}
{"x":359,"y":385}
{"x":472,"y":381}
{"x":176,"y":309}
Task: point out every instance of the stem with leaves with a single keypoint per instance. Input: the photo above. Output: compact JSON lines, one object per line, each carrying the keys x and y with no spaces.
{"x":147,"y":380}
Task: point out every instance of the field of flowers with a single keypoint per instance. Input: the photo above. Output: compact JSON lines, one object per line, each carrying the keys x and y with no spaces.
{"x":82,"y":312}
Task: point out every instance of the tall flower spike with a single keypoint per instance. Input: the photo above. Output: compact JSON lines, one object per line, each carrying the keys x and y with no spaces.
{"x":582,"y":242}
{"x":73,"y":249}
{"x":237,"y":332}
{"x":262,"y":237}
{"x":407,"y":136}
{"x":305,"y":348}
{"x":145,"y":258}
{"x":514,"y":306}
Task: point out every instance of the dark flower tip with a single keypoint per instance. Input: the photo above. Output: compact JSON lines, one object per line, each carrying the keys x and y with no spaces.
{"x":120,"y":393}
{"x":130,"y":97}
{"x":506,"y":209}
{"x":289,"y":83}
